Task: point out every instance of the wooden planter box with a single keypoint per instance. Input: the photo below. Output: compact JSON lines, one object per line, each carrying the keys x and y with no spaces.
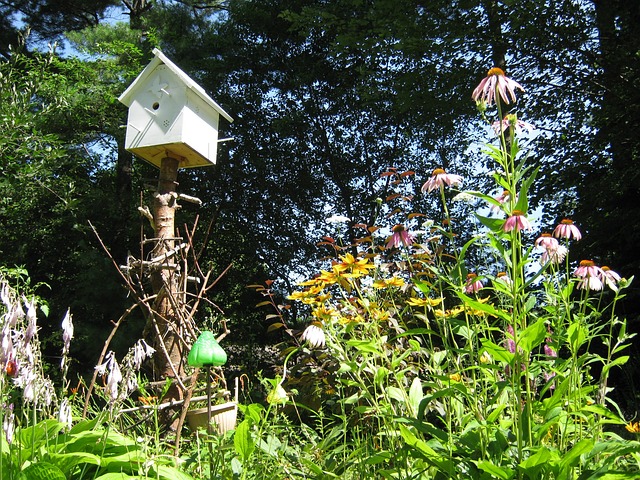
{"x":223,"y":417}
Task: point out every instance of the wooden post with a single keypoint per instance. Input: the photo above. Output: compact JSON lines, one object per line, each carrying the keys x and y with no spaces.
{"x":169,"y":349}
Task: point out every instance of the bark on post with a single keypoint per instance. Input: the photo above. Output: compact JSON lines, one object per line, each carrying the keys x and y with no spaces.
{"x":169,"y":356}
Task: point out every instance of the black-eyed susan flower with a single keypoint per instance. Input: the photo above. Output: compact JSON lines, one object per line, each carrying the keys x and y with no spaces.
{"x":633,"y":427}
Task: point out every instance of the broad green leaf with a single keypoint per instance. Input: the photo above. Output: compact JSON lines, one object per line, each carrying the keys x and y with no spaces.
{"x":171,"y":473}
{"x":498,"y":352}
{"x":536,"y":463}
{"x":381,"y":374}
{"x":493,"y":224}
{"x":572,"y":457}
{"x":396,"y":393}
{"x":67,"y":461}
{"x":379,"y":457}
{"x":430,"y":455}
{"x":616,"y":362}
{"x":243,"y":441}
{"x":367,"y":346}
{"x":483,"y":307}
{"x":504,"y":473}
{"x":577,"y":335}
{"x":532,"y":336}
{"x":116,"y":476}
{"x":523,"y":202}
{"x":270,"y":446}
{"x":42,"y":471}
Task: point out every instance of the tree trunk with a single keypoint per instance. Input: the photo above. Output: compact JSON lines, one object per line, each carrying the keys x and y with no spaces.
{"x":169,"y":347}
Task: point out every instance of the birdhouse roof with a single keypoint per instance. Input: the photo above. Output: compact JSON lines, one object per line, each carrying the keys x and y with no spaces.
{"x":129,"y":94}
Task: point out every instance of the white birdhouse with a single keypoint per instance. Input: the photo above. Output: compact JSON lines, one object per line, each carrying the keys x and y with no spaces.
{"x":171,"y":116}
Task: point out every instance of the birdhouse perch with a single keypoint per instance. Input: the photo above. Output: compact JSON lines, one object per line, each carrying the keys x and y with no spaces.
{"x":171,"y":116}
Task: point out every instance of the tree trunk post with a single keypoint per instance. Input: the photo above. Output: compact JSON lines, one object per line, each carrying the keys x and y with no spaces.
{"x":169,"y":357}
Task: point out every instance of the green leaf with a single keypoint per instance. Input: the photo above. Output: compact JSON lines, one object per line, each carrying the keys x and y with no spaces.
{"x":483,"y":307}
{"x":379,"y":457}
{"x":577,"y":335}
{"x":42,"y":471}
{"x":443,"y":464}
{"x":493,"y":224}
{"x":252,"y":412}
{"x":396,"y":394}
{"x":523,"y":202}
{"x":618,"y":361}
{"x":243,"y":441}
{"x":498,"y":472}
{"x":171,"y":473}
{"x":570,"y":459}
{"x":535,"y":464}
{"x":498,"y":352}
{"x":115,"y":476}
{"x":270,"y":446}
{"x":69,"y":460}
{"x":366,"y":346}
{"x":532,"y":336}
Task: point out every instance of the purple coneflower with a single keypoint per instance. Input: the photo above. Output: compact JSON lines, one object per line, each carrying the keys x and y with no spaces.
{"x":474,"y":284}
{"x":555,"y":255}
{"x":566,"y":229}
{"x":610,"y":277}
{"x":399,"y":238}
{"x":547,"y":242}
{"x":511,"y":120}
{"x":314,"y":336}
{"x":590,"y":275}
{"x":504,"y":279}
{"x":509,"y":341}
{"x":440,"y":178}
{"x":517,"y":221}
{"x":496,"y":81}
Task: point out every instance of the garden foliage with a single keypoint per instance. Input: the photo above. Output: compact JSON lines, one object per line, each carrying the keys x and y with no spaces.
{"x":429,"y":353}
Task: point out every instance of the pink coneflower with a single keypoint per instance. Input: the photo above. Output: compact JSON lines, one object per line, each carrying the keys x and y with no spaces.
{"x":504,"y":279}
{"x":399,"y":238}
{"x":549,"y":351}
{"x":566,"y":229}
{"x":553,"y":251}
{"x":314,"y":336}
{"x":590,"y":275}
{"x":610,"y":278}
{"x":440,"y":178}
{"x":474,"y":284}
{"x":517,"y":221}
{"x":547,"y":242}
{"x":555,"y":255}
{"x":510,"y":342}
{"x":496,"y":81}
{"x":503,"y":198}
{"x":511,"y":120}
